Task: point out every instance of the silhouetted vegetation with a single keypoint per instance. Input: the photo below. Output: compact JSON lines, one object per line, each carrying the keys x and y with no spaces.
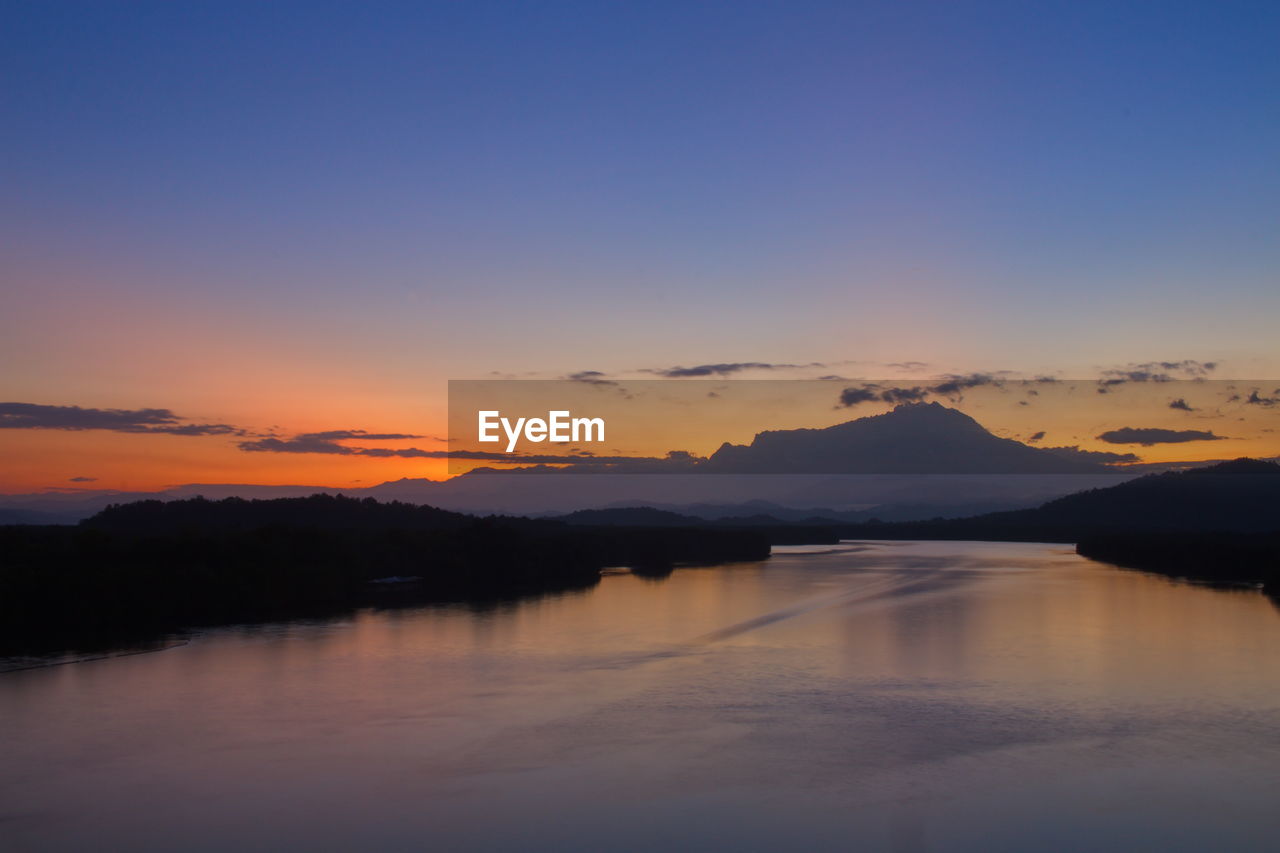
{"x":1222,"y":558}
{"x":1232,"y":497}
{"x":137,"y":569}
{"x":1219,"y":524}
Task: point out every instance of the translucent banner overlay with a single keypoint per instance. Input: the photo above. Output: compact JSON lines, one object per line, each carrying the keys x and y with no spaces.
{"x":955,"y":425}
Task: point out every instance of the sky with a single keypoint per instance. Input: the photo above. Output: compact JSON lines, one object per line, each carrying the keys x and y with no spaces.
{"x":297,"y":218}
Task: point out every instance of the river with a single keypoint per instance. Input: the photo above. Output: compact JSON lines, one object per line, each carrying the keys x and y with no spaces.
{"x":869,"y":696}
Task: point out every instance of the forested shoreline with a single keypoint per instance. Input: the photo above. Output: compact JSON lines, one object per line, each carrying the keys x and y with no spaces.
{"x":141,"y":569}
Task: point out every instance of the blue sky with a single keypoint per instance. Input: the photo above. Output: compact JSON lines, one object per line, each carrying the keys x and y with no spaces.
{"x":381,"y":196}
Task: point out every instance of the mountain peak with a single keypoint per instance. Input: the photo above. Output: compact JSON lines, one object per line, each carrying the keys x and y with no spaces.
{"x":927,"y":410}
{"x":913,"y":438}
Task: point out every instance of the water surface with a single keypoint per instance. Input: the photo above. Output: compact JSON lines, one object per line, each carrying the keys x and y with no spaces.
{"x":897,"y":696}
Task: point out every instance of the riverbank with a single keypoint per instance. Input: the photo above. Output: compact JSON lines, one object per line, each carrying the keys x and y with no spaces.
{"x":144,"y":569}
{"x":1238,"y":559}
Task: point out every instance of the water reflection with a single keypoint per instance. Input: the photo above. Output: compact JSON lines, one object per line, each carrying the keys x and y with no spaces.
{"x":922,"y":696}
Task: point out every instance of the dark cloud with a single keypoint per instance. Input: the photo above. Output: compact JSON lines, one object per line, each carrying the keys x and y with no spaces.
{"x":319,"y":443}
{"x":854,"y":396}
{"x":199,"y":429}
{"x":401,"y":452}
{"x":725,"y":369}
{"x":75,"y":418}
{"x":1187,"y":367}
{"x":1102,"y":456}
{"x":951,"y":386}
{"x":82,"y":480}
{"x":904,"y":395}
{"x":872,"y":393}
{"x":954,"y":385}
{"x":1255,"y":399}
{"x":1037,"y":436}
{"x":1150,"y":435}
{"x":1181,"y":405}
{"x":302,"y":444}
{"x":591,"y":377}
{"x":299,"y":444}
{"x":340,"y":434}
{"x":327,"y":442}
{"x":1158,"y":371}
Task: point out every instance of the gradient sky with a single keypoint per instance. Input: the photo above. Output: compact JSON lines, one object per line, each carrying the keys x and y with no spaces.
{"x":307,"y":217}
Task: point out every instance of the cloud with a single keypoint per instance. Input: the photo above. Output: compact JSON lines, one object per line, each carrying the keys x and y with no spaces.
{"x":340,"y":434}
{"x":82,"y":480}
{"x":1187,"y":367}
{"x":591,"y":377}
{"x":1254,"y":399}
{"x":1037,"y":436}
{"x":76,"y":418}
{"x":854,"y":396}
{"x":725,"y":369}
{"x":308,"y":444}
{"x":1157,"y":371}
{"x":952,"y":386}
{"x":1150,"y":435}
{"x":904,"y":395}
{"x":1181,"y":405}
{"x":299,"y":444}
{"x":327,"y":442}
{"x":200,"y":429}
{"x":1103,"y":456}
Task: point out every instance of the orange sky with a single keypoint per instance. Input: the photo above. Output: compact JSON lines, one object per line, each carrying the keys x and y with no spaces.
{"x":681,"y":417}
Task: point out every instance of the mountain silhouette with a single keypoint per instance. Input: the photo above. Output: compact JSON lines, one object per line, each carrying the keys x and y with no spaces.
{"x":914,"y":438}
{"x":1242,"y":496}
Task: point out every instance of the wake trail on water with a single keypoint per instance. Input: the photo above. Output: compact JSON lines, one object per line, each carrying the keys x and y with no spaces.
{"x":892,"y":586}
{"x":883,"y":587}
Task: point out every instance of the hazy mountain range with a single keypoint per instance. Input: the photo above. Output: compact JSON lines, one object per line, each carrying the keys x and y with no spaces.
{"x":917,"y":461}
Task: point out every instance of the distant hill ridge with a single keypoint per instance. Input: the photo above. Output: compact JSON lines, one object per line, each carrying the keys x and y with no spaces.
{"x":1240,"y":496}
{"x":319,"y":510}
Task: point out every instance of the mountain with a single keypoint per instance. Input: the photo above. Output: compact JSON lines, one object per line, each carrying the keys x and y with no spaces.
{"x":914,"y":438}
{"x":1241,"y":496}
{"x":636,"y":516}
{"x":852,"y":464}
